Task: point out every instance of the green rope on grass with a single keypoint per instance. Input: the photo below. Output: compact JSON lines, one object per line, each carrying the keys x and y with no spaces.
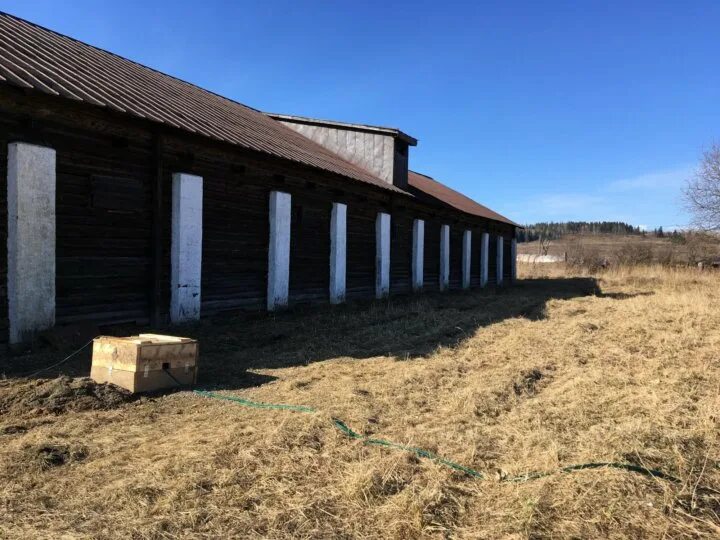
{"x":255,"y":404}
{"x":342,"y":426}
{"x":655,"y":473}
{"x":349,"y":432}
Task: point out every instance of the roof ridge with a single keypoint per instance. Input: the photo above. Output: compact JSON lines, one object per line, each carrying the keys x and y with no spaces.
{"x":422,"y":174}
{"x":328,"y":121}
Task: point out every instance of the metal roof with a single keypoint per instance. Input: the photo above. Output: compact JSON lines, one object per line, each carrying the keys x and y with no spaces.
{"x":440,"y":192}
{"x":39,"y":59}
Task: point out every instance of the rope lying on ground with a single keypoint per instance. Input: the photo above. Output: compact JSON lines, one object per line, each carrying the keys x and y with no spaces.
{"x":68,"y":357}
{"x":349,"y":432}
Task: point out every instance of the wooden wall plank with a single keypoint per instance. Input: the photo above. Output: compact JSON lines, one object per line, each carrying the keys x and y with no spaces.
{"x":310,"y":246}
{"x":456,"y":240}
{"x":360,"y":251}
{"x":401,"y":228}
{"x":107,"y":171}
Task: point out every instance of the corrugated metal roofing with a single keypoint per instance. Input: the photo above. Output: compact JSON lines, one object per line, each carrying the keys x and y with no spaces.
{"x":431,"y":187}
{"x":36,"y":58}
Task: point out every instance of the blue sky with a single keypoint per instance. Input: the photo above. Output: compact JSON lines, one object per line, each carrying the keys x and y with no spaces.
{"x":540,"y":110}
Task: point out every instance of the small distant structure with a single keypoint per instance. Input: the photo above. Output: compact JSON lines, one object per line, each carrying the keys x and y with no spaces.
{"x":710,"y":264}
{"x":540,"y":259}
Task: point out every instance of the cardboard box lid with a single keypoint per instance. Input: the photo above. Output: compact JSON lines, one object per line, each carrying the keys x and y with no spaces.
{"x":144,"y":351}
{"x":142,"y":339}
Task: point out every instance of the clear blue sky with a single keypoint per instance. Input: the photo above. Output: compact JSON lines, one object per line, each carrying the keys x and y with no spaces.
{"x":541,"y":110}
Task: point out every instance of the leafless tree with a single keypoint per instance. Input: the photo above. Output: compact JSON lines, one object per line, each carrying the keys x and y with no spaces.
{"x":702,"y":193}
{"x":544,"y":245}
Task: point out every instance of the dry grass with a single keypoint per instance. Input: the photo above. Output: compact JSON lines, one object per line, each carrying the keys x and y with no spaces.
{"x":623,"y":250}
{"x":550,"y":373}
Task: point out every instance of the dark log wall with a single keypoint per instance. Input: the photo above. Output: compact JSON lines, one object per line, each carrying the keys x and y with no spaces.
{"x":236,"y":229}
{"x":103,"y":198}
{"x":475,"y":257}
{"x":507,"y":260}
{"x":492,"y":264}
{"x":456,"y":240}
{"x":104,"y":222}
{"x":431,"y":270}
{"x":109,"y":170}
{"x":5,"y":128}
{"x":310,"y":246}
{"x":360,"y":251}
{"x":401,"y":239}
{"x":235,"y":238}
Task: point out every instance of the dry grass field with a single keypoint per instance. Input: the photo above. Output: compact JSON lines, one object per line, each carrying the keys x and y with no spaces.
{"x":559,"y":370}
{"x":613,"y":249}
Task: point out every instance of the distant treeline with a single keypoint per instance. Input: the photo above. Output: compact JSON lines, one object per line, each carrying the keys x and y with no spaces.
{"x":554,"y":231}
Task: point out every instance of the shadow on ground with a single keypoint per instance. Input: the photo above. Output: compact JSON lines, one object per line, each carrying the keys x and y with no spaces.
{"x":233,"y":346}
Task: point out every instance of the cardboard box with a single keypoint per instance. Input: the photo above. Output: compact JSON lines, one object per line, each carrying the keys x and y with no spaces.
{"x":146,"y":362}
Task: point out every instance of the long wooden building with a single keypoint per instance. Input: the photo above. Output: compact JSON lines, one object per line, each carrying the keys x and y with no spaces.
{"x":134,"y":196}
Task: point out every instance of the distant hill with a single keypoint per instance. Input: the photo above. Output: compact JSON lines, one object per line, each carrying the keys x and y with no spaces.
{"x":607,"y":249}
{"x":556,"y":230}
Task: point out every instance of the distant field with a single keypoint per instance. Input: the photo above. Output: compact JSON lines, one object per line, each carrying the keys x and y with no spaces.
{"x":628,"y":248}
{"x":562,"y":369}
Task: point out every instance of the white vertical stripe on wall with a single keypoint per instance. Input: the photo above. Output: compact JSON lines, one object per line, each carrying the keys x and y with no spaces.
{"x":31,"y":184}
{"x":186,"y":247}
{"x":484,"y":258}
{"x":513,"y":259}
{"x":279,"y":250}
{"x":338,"y":260}
{"x":499,"y":260}
{"x":418,"y":254}
{"x":382,"y":255}
{"x":444,"y":257}
{"x":466,"y":258}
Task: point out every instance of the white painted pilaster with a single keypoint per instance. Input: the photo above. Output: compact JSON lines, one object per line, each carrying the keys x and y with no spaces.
{"x":186,"y":247}
{"x":444,"y":257}
{"x":513,"y":259}
{"x":279,"y":250}
{"x":382,"y":255}
{"x":499,"y":260}
{"x":338,"y":243}
{"x":418,"y":254}
{"x":31,"y":240}
{"x":466,"y":258}
{"x":484,"y":258}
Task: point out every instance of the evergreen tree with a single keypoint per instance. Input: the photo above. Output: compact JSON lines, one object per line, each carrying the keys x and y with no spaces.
{"x":554,"y":231}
